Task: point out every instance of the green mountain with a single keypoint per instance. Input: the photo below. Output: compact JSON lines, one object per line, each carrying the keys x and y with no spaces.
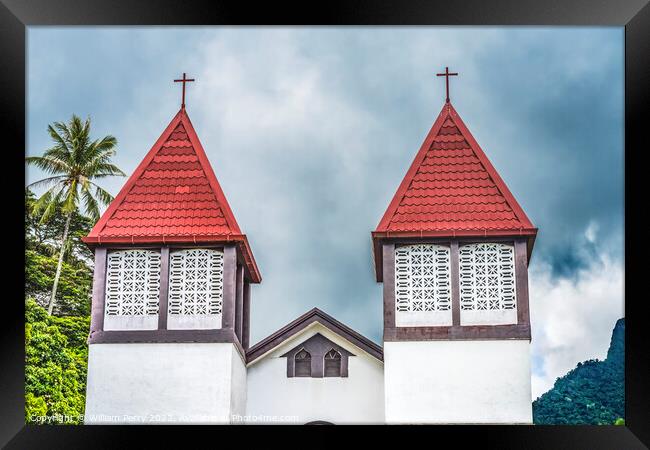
{"x":592,"y":393}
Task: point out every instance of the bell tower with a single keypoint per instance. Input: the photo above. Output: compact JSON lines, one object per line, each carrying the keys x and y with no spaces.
{"x":171,"y":293}
{"x":452,"y":251}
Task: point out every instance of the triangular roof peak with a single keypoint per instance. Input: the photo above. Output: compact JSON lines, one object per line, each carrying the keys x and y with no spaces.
{"x":451,"y":189}
{"x":172,"y":196}
{"x":298,"y":325}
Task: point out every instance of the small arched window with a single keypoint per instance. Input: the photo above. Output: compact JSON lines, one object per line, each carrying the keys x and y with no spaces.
{"x":332,"y":364}
{"x":303,"y":364}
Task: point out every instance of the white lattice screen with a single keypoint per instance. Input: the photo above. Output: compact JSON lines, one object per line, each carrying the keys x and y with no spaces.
{"x":422,"y":285}
{"x":487,"y":283}
{"x":195,"y":288}
{"x":132,"y":289}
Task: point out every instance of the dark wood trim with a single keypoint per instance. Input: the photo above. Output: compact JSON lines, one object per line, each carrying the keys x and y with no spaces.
{"x":246,"y":325}
{"x":153,"y":336}
{"x":406,"y":242}
{"x":379,"y":239}
{"x":317,"y":346}
{"x":314,"y":315}
{"x":167,"y":336}
{"x":164,"y":288}
{"x":457,"y":332}
{"x":172,"y":245}
{"x":448,"y":240}
{"x":225,"y":334}
{"x":229,"y":287}
{"x":344,"y":366}
{"x":521,"y":280}
{"x":239,"y":302}
{"x":99,"y":292}
{"x":455,"y":283}
{"x":389,"y":284}
{"x":473,"y":332}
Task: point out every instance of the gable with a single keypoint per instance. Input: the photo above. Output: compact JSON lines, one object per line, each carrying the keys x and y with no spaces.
{"x":316,"y":344}
{"x":313,"y":322}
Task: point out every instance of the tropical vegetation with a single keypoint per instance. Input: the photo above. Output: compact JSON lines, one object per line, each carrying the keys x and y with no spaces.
{"x":592,"y":393}
{"x":73,"y":163}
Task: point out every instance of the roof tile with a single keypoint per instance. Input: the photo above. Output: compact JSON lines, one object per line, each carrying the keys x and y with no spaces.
{"x":170,"y":194}
{"x":451,"y":186}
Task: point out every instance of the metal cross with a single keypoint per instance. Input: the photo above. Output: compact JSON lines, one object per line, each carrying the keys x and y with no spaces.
{"x":447,"y":74}
{"x":183,"y":80}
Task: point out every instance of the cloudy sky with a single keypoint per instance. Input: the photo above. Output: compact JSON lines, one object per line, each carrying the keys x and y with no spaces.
{"x":310,"y":131}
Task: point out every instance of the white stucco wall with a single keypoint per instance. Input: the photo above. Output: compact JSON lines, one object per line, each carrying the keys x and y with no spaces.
{"x":423,"y":318}
{"x":275,"y":398}
{"x":164,"y":383}
{"x":458,"y":382}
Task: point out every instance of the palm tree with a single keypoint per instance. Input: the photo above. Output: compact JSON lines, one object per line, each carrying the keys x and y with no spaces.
{"x":73,"y":163}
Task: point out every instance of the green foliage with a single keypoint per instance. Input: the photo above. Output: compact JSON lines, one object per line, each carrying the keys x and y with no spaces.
{"x":592,"y":393}
{"x":56,"y":351}
{"x":56,"y":357}
{"x":75,"y":284}
{"x":73,"y":163}
{"x":41,"y":258}
{"x":45,"y":237}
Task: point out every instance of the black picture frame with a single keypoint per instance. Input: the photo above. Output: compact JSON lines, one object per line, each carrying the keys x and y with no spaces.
{"x":634,"y":15}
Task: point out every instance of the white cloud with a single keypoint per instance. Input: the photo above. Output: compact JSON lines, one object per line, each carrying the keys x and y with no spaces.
{"x":592,"y":231}
{"x":572,"y":318}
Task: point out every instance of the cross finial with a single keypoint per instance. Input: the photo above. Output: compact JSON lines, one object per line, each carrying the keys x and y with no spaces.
{"x":447,"y":74}
{"x":183,"y":80}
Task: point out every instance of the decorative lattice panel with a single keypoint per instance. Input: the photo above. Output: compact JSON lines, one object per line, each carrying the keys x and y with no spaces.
{"x":487,"y":277}
{"x":195,"y":282}
{"x":132,"y":283}
{"x":422,"y":278}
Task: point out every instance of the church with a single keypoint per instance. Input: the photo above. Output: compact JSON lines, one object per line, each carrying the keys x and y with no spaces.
{"x":170,"y":322}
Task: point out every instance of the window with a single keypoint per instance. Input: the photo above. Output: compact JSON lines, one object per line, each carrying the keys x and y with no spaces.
{"x":195,"y":289}
{"x":422,"y":285}
{"x":303,"y":364}
{"x":487,"y":284}
{"x":332,"y":364}
{"x":330,"y":359}
{"x":132,"y":290}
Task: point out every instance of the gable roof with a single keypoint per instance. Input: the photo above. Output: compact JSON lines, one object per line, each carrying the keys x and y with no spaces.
{"x":451,"y":189}
{"x":173,"y":196}
{"x":315,"y":341}
{"x":313,"y":315}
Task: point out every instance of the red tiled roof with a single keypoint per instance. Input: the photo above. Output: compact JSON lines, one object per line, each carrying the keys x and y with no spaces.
{"x":452,"y":189}
{"x":172,"y":196}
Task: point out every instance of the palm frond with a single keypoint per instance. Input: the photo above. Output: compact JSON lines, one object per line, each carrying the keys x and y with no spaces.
{"x":48,"y":164}
{"x":104,"y":196}
{"x":75,"y":160}
{"x":48,"y":203}
{"x":59,"y":153}
{"x":58,"y":138}
{"x":103,"y":170}
{"x":71,"y":197}
{"x":90,"y":204}
{"x":64,"y":131}
{"x":46,"y":181}
{"x":108,"y":142}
